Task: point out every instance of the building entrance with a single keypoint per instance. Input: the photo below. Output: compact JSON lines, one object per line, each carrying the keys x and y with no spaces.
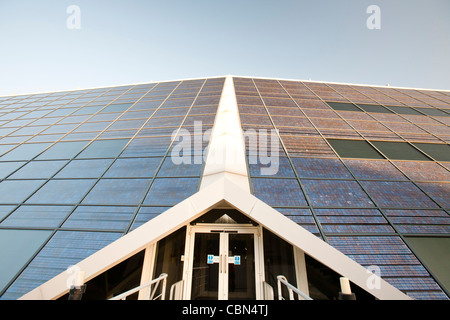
{"x":223,"y":262}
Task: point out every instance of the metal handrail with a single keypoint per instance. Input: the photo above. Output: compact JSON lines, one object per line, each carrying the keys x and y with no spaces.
{"x":157,"y":281}
{"x":268,"y":291}
{"x":282,"y":280}
{"x":176,"y":290}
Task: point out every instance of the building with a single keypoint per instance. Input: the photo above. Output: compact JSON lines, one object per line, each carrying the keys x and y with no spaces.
{"x":224,"y":184}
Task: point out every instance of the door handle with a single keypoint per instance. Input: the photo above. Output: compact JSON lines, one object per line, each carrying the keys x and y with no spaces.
{"x":223,"y":261}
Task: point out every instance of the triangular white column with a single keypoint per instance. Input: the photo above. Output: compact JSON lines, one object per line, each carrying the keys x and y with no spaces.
{"x":226,"y":153}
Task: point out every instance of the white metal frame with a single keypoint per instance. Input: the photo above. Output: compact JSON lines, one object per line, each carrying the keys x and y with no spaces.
{"x":223,"y":247}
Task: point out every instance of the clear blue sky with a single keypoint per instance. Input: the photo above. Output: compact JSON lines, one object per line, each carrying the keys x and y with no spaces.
{"x":126,"y":42}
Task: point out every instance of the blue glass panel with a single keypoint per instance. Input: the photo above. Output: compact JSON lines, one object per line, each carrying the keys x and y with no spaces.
{"x":169,"y":168}
{"x":100,"y":217}
{"x":62,"y":192}
{"x":278,"y":192}
{"x":374,"y":169}
{"x":63,"y":150}
{"x":336,"y":193}
{"x":7,"y":167}
{"x":5,"y":210}
{"x":418,"y":216}
{"x":352,"y":221}
{"x":25,"y":152}
{"x":37,"y":216}
{"x":146,"y":214}
{"x":276,"y":167}
{"x":92,"y":168}
{"x":16,"y":191}
{"x":133,"y":168}
{"x":117,"y":107}
{"x":320,"y":168}
{"x":22,"y":244}
{"x":147,"y":147}
{"x":92,"y":126}
{"x":302,"y":217}
{"x":38,"y":170}
{"x":65,"y":249}
{"x":438,"y":191}
{"x":104,"y":149}
{"x":397,"y":194}
{"x":170,"y":191}
{"x":118,"y":191}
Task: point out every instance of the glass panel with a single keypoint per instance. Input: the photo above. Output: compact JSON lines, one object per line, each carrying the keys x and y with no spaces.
{"x":22,"y":244}
{"x":435,"y":253}
{"x":439,"y":152}
{"x":170,"y":191}
{"x":38,"y":170}
{"x":37,"y":216}
{"x":101,"y":218}
{"x":65,"y":248}
{"x":169,"y":258}
{"x":169,"y":168}
{"x":278,"y":260}
{"x":120,"y":278}
{"x":241,"y":275}
{"x":17,"y":191}
{"x":343,"y":106}
{"x":302,"y":217}
{"x":320,"y":168}
{"x":120,"y":107}
{"x":133,"y":168}
{"x":397,"y":194}
{"x":354,"y":149}
{"x":352,"y":221}
{"x":104,"y":149}
{"x":404,"y":110}
{"x":145,"y":147}
{"x":5,"y":210}
{"x":84,"y":168}
{"x":146,"y":214}
{"x":278,"y":192}
{"x":433,"y":112}
{"x":7,"y":167}
{"x":118,"y":191}
{"x":399,"y":150}
{"x":277,"y":167}
{"x":438,"y":191}
{"x":63,"y":150}
{"x":374,"y":169}
{"x":25,"y":151}
{"x":205,"y":276}
{"x":373,"y":108}
{"x":336,"y":193}
{"x":62,"y":192}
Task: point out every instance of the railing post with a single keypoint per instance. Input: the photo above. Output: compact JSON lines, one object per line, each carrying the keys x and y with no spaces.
{"x":163,"y":289}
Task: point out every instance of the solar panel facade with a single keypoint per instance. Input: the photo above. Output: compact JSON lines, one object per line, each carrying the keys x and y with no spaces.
{"x":357,"y":168}
{"x":364,"y":168}
{"x":82,"y":168}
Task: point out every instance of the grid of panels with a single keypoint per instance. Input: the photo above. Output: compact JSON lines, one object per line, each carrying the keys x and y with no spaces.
{"x":95,"y":164}
{"x":362,"y":203}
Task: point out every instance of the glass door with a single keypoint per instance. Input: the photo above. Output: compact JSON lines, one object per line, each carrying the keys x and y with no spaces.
{"x":241,"y":267}
{"x":205,"y":269}
{"x":223,"y":264}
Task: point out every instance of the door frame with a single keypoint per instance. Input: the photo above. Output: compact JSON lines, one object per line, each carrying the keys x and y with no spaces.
{"x":224,"y":229}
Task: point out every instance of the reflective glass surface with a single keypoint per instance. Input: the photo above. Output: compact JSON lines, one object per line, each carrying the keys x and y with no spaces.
{"x":370,"y":164}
